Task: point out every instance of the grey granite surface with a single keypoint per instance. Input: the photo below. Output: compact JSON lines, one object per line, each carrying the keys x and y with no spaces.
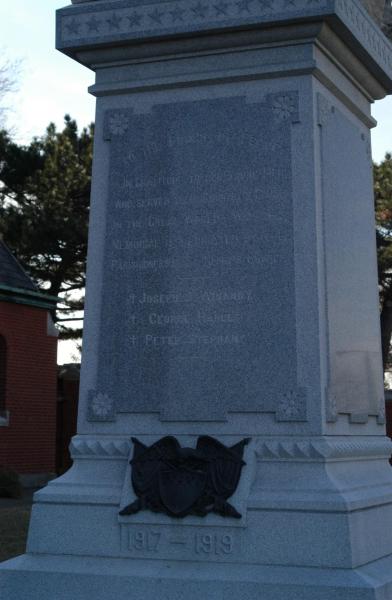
{"x":199,"y":227}
{"x":103,"y":22}
{"x":380,"y":11}
{"x":231,"y":292}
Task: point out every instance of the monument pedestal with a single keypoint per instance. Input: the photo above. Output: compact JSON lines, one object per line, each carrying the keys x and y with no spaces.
{"x":317,"y":527}
{"x":114,"y":579}
{"x":232,"y":293}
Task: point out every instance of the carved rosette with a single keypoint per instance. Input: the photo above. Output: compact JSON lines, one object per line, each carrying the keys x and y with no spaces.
{"x":285,"y":107}
{"x":117,"y":123}
{"x":292,"y":406}
{"x":100,"y":407}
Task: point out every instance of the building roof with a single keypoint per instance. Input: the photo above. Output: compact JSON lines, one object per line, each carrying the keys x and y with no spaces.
{"x":12,"y":273}
{"x":16,"y":286}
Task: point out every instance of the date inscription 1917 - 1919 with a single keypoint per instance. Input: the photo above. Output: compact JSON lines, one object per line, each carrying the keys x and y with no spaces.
{"x":185,"y":481}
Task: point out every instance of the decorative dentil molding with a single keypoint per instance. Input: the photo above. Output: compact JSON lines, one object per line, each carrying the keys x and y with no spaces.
{"x":324,"y":449}
{"x":99,"y":448}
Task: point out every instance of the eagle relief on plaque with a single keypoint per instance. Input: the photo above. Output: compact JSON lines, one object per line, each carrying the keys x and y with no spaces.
{"x":177,"y":481}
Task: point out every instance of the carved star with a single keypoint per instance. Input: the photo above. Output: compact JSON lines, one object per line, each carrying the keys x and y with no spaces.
{"x":200,"y":10}
{"x":93,"y":24}
{"x":156,"y":16}
{"x":177,"y":13}
{"x":73,"y":27}
{"x":265,"y":4}
{"x":114,"y":21}
{"x":135,"y":19}
{"x":221,"y":8}
{"x":243,"y":5}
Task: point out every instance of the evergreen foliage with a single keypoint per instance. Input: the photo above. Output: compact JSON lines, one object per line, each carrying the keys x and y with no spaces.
{"x":44,"y":208}
{"x":383,"y":208}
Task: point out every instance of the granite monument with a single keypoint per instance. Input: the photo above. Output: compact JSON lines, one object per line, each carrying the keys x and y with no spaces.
{"x":231,"y":436}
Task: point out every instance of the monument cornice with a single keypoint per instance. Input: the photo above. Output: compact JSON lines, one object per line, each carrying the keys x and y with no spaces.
{"x":100,"y":23}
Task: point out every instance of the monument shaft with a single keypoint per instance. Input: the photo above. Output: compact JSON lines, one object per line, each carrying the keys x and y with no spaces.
{"x":232,"y":325}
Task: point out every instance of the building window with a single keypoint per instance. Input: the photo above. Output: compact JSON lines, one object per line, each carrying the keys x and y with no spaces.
{"x":3,"y":375}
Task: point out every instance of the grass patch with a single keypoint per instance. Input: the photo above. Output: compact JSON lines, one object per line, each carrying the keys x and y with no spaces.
{"x":14,"y":523}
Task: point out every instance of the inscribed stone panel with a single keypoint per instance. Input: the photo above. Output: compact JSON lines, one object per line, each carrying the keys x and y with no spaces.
{"x":355,"y":375}
{"x":198,"y":313}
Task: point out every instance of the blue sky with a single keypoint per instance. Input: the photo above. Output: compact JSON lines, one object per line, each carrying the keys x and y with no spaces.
{"x":52,"y":84}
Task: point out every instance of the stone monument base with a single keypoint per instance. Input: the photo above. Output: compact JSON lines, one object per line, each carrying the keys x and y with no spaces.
{"x":316,"y":527}
{"x":66,"y":578}
{"x":231,"y":294}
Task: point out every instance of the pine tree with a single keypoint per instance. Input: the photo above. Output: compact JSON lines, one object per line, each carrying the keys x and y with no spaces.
{"x":383,"y":207}
{"x":44,"y":207}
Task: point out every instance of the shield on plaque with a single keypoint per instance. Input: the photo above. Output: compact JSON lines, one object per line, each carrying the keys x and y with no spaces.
{"x":180,"y":489}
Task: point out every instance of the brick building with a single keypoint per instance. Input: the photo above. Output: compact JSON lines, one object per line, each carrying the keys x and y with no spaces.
{"x":28,"y":375}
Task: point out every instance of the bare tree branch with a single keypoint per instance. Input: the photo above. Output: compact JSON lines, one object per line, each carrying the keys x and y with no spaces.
{"x":9,"y":76}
